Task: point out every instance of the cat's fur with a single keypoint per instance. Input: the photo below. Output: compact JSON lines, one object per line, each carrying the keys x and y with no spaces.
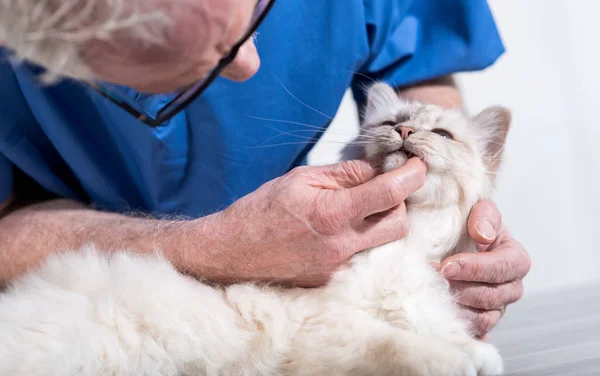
{"x":88,"y":313}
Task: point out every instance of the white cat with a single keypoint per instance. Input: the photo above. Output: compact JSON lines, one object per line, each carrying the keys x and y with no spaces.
{"x":88,"y":313}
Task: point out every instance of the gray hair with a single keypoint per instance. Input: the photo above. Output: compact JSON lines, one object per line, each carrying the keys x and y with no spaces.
{"x":51,"y":33}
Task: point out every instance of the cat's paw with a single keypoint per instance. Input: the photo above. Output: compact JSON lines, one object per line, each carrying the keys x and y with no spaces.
{"x":443,"y":359}
{"x":485,"y":358}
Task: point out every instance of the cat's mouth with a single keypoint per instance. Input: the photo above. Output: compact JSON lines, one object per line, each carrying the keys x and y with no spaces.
{"x":409,"y":154}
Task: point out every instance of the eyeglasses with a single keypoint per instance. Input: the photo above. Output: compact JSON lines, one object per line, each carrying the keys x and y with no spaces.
{"x":183,"y":98}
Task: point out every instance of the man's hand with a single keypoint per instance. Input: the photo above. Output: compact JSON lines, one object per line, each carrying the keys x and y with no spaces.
{"x":297,"y":229}
{"x":300,"y":228}
{"x":488,"y":281}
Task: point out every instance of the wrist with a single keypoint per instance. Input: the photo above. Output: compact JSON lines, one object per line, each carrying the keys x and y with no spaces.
{"x":197,"y":247}
{"x":441,"y":91}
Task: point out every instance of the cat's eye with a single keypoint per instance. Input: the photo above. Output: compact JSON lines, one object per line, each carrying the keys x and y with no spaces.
{"x":444,"y":133}
{"x":390,"y":123}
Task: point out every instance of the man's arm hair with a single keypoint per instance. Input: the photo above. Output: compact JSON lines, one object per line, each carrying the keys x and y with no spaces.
{"x":30,"y":234}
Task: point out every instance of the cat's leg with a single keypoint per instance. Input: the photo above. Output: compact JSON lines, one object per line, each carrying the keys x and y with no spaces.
{"x":433,"y":310}
{"x":352,"y":343}
{"x":485,"y":356}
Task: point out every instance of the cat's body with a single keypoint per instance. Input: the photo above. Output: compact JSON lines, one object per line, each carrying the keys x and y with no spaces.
{"x":88,"y":313}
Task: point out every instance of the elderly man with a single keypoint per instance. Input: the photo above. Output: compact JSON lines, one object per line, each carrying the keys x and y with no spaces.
{"x":143,"y":123}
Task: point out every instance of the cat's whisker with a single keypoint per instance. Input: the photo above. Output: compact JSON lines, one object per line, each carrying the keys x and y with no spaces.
{"x":287,"y":134}
{"x":322,"y":131}
{"x":417,"y":319}
{"x":368,"y":131}
{"x":457,"y":164}
{"x":369,"y":136}
{"x":302,"y":103}
{"x":365,"y":76}
{"x":306,"y":143}
{"x":310,"y":126}
{"x":306,"y":105}
{"x":285,"y":121}
{"x":360,"y":74}
{"x":291,"y":133}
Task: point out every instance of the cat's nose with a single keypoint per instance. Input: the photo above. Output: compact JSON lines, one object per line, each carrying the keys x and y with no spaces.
{"x":405,"y":131}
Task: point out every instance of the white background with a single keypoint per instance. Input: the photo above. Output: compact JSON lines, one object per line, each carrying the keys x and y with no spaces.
{"x":549,"y":190}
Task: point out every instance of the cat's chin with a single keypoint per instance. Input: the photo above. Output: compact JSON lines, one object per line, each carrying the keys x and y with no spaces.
{"x":394,"y":160}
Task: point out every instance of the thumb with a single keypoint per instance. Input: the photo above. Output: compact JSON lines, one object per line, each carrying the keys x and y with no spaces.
{"x":484,"y":222}
{"x":346,"y":174}
{"x":385,"y":191}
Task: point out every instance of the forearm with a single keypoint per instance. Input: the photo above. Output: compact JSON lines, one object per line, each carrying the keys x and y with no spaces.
{"x":442,"y":92}
{"x":29,"y":235}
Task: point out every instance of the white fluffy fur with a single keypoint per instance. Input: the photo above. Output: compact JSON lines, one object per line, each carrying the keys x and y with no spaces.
{"x":88,"y":313}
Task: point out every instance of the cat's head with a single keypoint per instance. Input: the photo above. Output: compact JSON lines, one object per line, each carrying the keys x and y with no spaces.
{"x":462,"y":153}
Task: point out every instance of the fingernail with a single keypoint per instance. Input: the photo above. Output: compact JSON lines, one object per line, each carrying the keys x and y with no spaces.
{"x":485,"y":229}
{"x":452,"y":269}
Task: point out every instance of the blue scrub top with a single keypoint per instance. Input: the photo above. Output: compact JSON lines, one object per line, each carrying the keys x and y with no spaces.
{"x":76,"y":144}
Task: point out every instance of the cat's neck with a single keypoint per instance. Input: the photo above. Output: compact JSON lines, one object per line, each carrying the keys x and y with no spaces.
{"x":437,"y":229}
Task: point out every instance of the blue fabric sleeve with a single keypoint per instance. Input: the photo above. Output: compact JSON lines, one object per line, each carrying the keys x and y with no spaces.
{"x":416,"y":40}
{"x":6,"y":179}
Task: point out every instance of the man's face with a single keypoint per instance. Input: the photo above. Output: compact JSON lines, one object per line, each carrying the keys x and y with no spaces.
{"x":198,"y":34}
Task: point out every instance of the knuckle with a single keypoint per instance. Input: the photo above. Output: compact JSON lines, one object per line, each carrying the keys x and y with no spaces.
{"x":353,"y":169}
{"x":297,"y":172}
{"x":526,"y":262}
{"x":484,"y":322}
{"x":487,"y":209}
{"x":518,"y":291}
{"x":483,"y":299}
{"x":502,"y":272}
{"x":401,"y":227}
{"x":327,"y":221}
{"x":334,"y":252}
{"x":473,"y":271}
{"x":493,"y":300}
{"x":396,"y":192}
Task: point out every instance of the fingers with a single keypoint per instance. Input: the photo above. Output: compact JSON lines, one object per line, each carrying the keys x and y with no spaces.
{"x":503,"y":264}
{"x":347,"y":174}
{"x":386,"y":191}
{"x":383,"y":227}
{"x":484,"y":222}
{"x":481,"y":322}
{"x":487,"y":296}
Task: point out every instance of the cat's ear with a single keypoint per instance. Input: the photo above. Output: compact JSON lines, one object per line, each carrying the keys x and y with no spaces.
{"x":381,"y":97}
{"x":493,"y":123}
